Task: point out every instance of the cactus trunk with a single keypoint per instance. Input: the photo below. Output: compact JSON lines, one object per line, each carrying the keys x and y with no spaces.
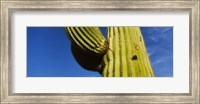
{"x":122,"y":54}
{"x":127,"y":54}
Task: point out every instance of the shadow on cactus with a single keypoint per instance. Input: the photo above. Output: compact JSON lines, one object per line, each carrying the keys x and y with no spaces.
{"x":121,"y":54}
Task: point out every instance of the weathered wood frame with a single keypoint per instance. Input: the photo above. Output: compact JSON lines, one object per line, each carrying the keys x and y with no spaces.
{"x":8,"y":6}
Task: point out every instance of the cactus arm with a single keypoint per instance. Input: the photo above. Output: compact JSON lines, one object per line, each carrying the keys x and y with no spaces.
{"x":88,"y":46}
{"x":95,"y":35}
{"x":87,"y":33}
{"x":85,"y":39}
{"x":85,"y":59}
{"x":99,"y":41}
{"x":72,"y":37}
{"x":96,"y":31}
{"x":82,"y":39}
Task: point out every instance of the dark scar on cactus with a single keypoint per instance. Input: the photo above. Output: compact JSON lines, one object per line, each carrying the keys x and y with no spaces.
{"x":134,"y":57}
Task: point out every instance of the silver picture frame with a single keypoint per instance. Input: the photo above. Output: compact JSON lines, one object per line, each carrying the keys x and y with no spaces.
{"x":8,"y":6}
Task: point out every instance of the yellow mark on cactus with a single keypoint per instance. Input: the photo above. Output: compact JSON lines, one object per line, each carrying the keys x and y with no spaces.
{"x":136,"y":46}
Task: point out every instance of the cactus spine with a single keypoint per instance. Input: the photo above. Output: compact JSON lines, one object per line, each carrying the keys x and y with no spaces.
{"x":122,"y":54}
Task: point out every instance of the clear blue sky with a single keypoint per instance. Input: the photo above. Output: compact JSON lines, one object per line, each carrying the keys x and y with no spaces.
{"x":49,"y":53}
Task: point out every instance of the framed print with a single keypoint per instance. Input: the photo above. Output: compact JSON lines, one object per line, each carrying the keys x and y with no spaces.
{"x":62,"y":51}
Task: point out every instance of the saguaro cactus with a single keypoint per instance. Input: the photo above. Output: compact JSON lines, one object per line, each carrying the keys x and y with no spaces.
{"x":122,"y":54}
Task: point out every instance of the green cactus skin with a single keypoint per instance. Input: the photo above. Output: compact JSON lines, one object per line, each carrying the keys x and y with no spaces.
{"x":89,"y":39}
{"x":86,"y":60}
{"x":123,"y":54}
{"x":127,"y":56}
